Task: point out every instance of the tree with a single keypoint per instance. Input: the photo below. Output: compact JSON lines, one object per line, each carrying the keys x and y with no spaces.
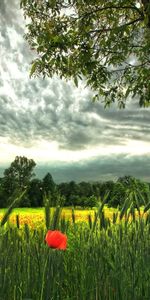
{"x":127,"y":181}
{"x":103,"y":42}
{"x":73,"y":195}
{"x":85,"y":189}
{"x":17,"y":176}
{"x":2,"y":196}
{"x":50,"y":190}
{"x":35,"y":193}
{"x":48,"y":184}
{"x":139,"y":191}
{"x":118,"y":195}
{"x":106,"y":187}
{"x":90,"y":201}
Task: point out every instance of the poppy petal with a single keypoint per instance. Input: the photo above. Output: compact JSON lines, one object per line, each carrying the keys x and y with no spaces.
{"x":56,"y":239}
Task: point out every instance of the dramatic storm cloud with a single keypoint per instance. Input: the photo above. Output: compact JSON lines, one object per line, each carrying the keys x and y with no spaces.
{"x":57,"y":124}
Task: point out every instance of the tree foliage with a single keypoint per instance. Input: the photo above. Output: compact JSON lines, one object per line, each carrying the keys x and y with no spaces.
{"x":35,"y":193}
{"x":105,"y":43}
{"x":20,"y":171}
{"x":48,"y":185}
{"x":39,"y":192}
{"x":16,"y":178}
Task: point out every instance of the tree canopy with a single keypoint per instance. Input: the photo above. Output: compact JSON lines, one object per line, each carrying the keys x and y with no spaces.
{"x":19,"y":176}
{"x":20,"y":171}
{"x":16,"y":178}
{"x":104,"y":43}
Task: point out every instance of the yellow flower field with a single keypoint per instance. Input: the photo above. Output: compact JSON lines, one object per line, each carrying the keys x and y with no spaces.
{"x":36,"y":216}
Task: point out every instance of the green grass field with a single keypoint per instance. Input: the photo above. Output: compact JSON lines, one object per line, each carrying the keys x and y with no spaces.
{"x":103,"y":259}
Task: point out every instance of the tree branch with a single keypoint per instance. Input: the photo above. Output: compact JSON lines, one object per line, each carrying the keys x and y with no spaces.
{"x":129,"y":67}
{"x":146,"y":5}
{"x":111,"y":7}
{"x":110,"y":29}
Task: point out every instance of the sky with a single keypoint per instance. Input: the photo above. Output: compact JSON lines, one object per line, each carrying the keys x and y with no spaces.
{"x":58,"y":125}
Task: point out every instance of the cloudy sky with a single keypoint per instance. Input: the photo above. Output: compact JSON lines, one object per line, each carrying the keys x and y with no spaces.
{"x":57,"y":124}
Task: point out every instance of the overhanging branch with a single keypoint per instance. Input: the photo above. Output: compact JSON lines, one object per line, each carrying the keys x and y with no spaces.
{"x":119,"y":27}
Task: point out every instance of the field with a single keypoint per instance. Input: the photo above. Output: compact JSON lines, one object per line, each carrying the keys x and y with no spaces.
{"x":105,"y":258}
{"x":36,"y":216}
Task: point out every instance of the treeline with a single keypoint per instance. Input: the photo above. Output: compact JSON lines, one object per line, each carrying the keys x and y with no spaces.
{"x":20,"y":177}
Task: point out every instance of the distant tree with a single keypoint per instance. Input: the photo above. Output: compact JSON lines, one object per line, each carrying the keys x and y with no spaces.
{"x":20,"y":171}
{"x":128,"y":187}
{"x":73,"y":189}
{"x":106,"y":187}
{"x":50,"y":189}
{"x":70,"y":192}
{"x":96,"y":188}
{"x":48,"y":184}
{"x":35,"y":193}
{"x":118,"y":195}
{"x":127,"y":180}
{"x":17,"y":177}
{"x":145,"y":188}
{"x":3,"y":197}
{"x":103,"y":42}
{"x":63,"y":188}
{"x":78,"y":194}
{"x":85,"y":189}
{"x":90,"y":201}
{"x":75,"y":200}
{"x":9,"y":184}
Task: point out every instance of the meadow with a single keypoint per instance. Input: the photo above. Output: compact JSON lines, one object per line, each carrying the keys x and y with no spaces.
{"x":36,"y":216}
{"x":107,"y":255}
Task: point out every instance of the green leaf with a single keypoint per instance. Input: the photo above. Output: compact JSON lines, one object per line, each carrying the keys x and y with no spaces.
{"x":147,"y":207}
{"x":10,"y":208}
{"x":76,"y":81}
{"x":125,"y":208}
{"x":33,"y":68}
{"x":98,"y":40}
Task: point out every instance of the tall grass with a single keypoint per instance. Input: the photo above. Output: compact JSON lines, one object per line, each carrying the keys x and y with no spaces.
{"x":103,"y":260}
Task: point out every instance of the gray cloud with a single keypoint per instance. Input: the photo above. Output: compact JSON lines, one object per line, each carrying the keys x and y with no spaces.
{"x":53,"y":112}
{"x":100,"y":169}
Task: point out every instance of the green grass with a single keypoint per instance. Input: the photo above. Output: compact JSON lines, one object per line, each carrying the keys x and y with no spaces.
{"x":103,"y":260}
{"x":26,"y":210}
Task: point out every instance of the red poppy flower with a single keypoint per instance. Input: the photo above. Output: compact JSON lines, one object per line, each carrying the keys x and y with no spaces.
{"x":56,"y":239}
